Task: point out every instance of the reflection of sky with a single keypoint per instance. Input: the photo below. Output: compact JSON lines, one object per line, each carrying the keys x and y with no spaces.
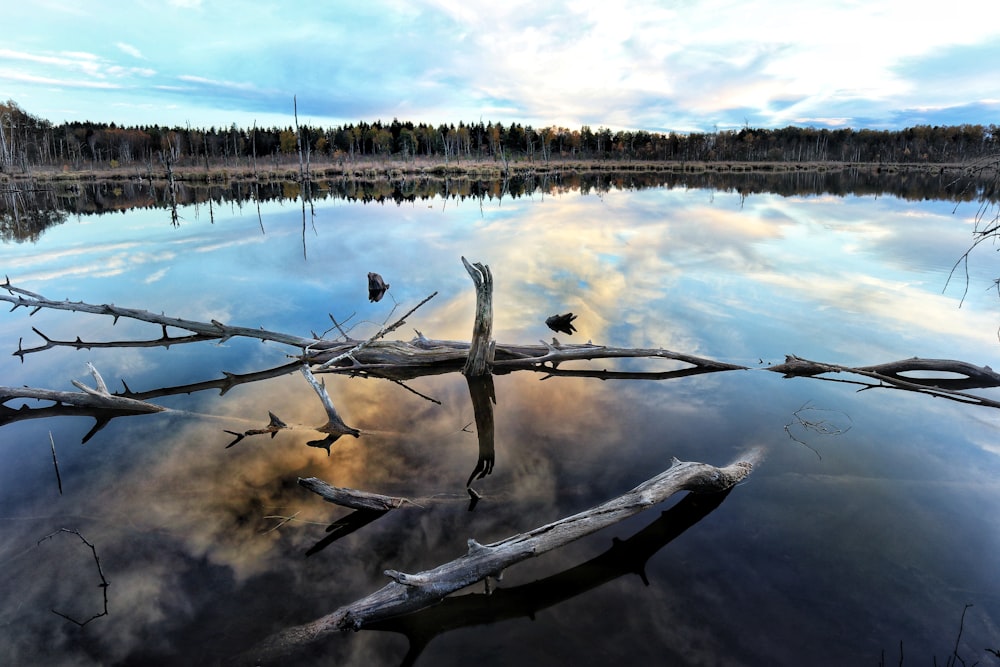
{"x":885,"y":537}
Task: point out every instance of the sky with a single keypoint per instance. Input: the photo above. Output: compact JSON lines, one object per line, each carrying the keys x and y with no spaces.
{"x":660,"y":66}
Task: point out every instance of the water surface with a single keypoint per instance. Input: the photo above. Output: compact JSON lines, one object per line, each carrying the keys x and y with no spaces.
{"x":871,"y":522}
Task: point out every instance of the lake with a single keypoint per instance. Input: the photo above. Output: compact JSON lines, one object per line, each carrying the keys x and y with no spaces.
{"x":868,"y":532}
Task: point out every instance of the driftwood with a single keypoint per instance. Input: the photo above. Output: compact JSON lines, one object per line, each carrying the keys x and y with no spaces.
{"x":891,"y":375}
{"x":367,"y":507}
{"x":478,"y":360}
{"x":96,"y":402}
{"x":400,"y":360}
{"x":411,"y":592}
{"x":625,"y":557}
{"x":352,"y":498}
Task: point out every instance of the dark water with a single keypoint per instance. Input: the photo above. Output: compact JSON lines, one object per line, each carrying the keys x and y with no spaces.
{"x":871,"y":522}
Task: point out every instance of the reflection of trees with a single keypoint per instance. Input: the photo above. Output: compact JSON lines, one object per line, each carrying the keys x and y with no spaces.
{"x":25,"y":213}
{"x":34,"y":208}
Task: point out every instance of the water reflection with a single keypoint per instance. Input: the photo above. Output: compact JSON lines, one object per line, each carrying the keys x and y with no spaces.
{"x":884,"y":538}
{"x":28,"y":208}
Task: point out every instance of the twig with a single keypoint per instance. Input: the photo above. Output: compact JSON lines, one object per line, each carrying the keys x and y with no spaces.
{"x":378,"y":334}
{"x":55,"y":462}
{"x":284,"y":520}
{"x":104,"y":582}
{"x":954,"y":657}
{"x":821,"y":427}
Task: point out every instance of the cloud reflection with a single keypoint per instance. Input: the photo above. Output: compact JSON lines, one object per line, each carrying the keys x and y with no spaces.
{"x":179,"y":520}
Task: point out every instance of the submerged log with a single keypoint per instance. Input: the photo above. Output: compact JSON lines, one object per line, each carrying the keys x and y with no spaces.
{"x":411,"y":592}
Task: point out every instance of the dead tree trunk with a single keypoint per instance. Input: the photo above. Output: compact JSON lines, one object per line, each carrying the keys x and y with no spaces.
{"x":482,"y":347}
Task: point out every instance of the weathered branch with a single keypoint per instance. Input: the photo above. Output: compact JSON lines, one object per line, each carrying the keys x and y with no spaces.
{"x":625,"y":557}
{"x":96,"y":402}
{"x":84,"y":399}
{"x":334,"y":425}
{"x":411,"y":592}
{"x":891,"y":375}
{"x":164,"y":340}
{"x":481,"y":349}
{"x":210,"y":331}
{"x":372,"y":356}
{"x":351,"y":498}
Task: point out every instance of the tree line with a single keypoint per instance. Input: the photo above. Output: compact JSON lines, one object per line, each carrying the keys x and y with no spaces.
{"x":27,"y":141}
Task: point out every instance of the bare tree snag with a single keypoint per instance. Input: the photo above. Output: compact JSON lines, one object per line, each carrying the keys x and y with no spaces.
{"x":481,"y":349}
{"x":411,"y":592}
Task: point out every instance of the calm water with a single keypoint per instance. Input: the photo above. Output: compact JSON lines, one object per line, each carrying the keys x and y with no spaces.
{"x":872,"y":528}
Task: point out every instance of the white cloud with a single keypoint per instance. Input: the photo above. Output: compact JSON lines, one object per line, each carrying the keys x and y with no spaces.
{"x":129,"y":49}
{"x":638,"y":64}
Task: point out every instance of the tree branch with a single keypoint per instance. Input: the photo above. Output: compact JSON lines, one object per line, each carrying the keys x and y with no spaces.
{"x":411,"y":592}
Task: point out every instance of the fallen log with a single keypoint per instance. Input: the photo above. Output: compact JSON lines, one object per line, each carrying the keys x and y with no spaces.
{"x":411,"y":592}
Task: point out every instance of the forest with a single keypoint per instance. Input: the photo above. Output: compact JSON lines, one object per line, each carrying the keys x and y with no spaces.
{"x":28,"y":142}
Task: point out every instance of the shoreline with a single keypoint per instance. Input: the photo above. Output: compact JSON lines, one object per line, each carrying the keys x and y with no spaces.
{"x":377,"y":169}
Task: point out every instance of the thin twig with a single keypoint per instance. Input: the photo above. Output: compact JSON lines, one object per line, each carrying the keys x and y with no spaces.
{"x":55,"y":462}
{"x":379,"y":334}
{"x":104,"y":582}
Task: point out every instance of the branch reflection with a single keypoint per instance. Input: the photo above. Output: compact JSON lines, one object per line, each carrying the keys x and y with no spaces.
{"x":628,"y":556}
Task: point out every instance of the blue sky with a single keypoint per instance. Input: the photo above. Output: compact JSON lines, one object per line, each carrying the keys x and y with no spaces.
{"x":634,"y":64}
